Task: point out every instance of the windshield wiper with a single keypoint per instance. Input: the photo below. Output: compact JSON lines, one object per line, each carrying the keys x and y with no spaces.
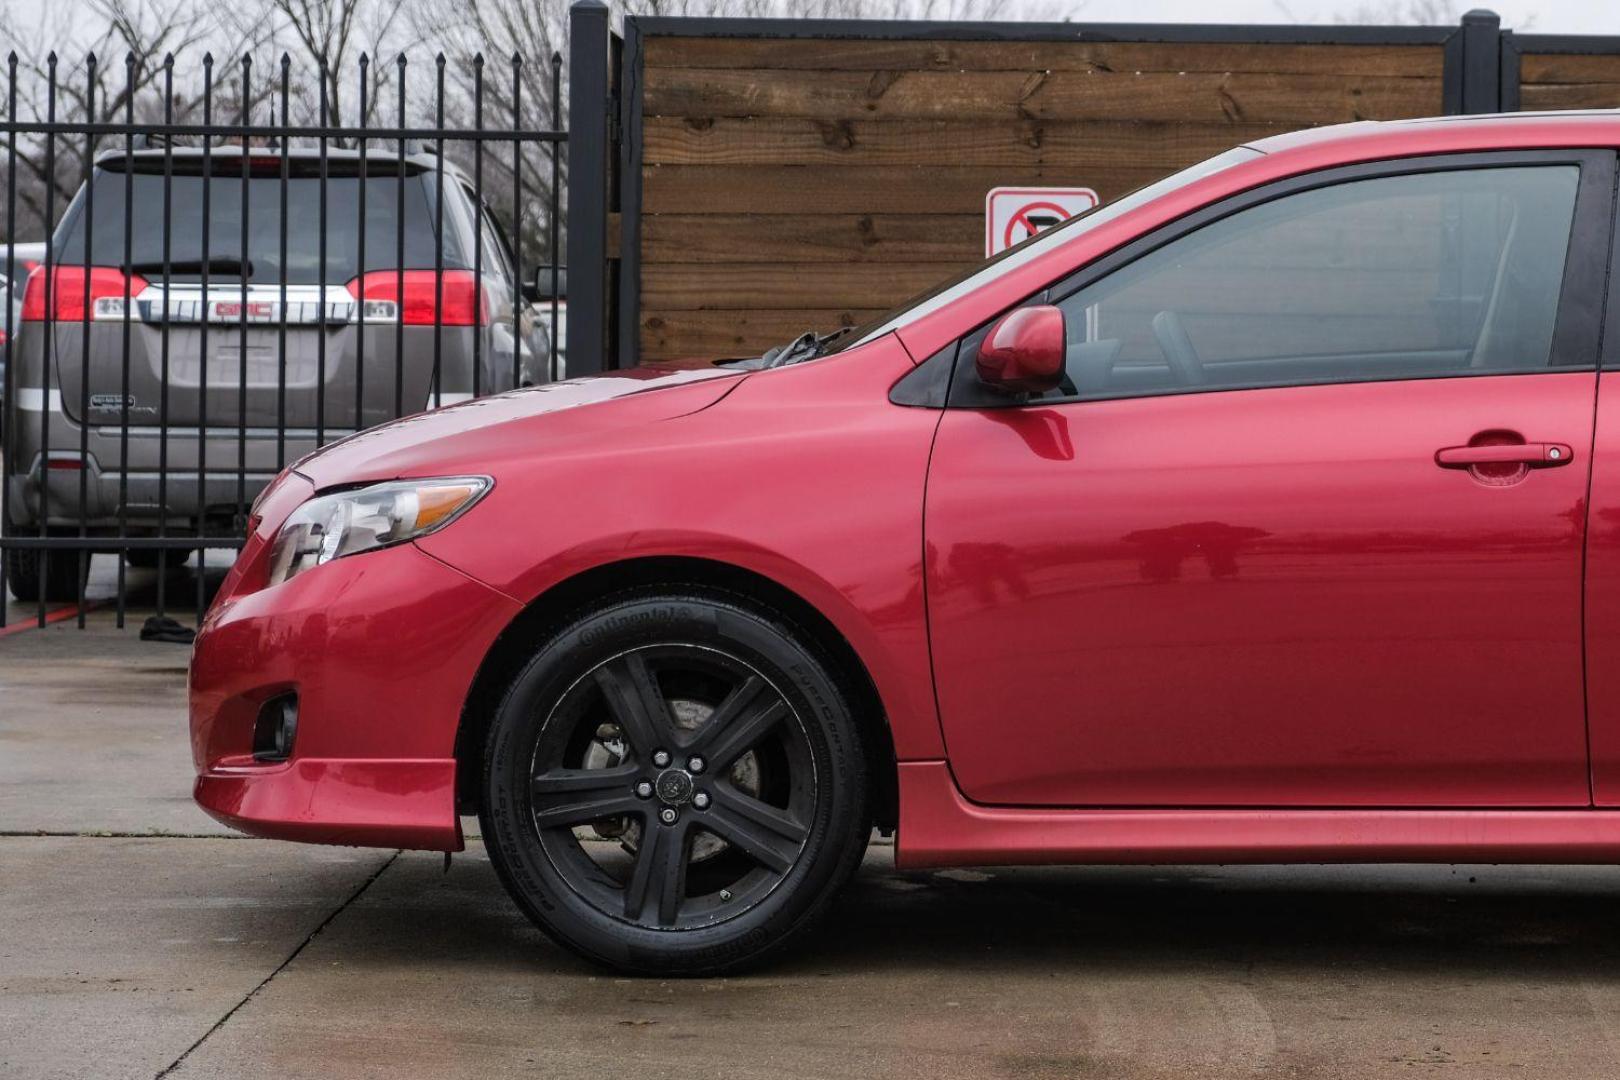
{"x":802,"y":347}
{"x":807,"y":346}
{"x":230,"y":266}
{"x":828,"y":339}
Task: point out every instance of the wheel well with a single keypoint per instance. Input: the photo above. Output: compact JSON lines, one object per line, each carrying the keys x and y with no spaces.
{"x":548,"y":612}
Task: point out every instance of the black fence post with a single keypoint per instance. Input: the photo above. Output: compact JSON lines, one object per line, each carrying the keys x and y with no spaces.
{"x":589,"y":104}
{"x":628,"y":297}
{"x":1510,"y":72}
{"x":1481,"y":62}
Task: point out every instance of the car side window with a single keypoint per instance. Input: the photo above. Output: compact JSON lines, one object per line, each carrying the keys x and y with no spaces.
{"x":1396,"y":277}
{"x":496,"y":256}
{"x":496,"y":249}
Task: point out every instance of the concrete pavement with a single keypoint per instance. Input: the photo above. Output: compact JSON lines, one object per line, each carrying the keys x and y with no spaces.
{"x":118,"y":954}
{"x":139,"y":940}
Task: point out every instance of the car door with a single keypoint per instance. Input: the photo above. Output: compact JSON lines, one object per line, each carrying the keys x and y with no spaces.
{"x":1303,"y":525}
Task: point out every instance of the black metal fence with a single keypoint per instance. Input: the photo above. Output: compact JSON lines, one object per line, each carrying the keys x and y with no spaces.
{"x":222,"y":288}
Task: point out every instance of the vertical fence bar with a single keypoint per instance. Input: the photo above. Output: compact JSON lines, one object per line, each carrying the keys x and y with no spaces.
{"x":123,"y":362}
{"x":478,"y":209}
{"x":589,"y":102}
{"x":438,"y":237}
{"x":7,"y":443}
{"x":82,"y":563}
{"x":554,"y":212}
{"x":202,"y":330}
{"x":399,"y":253}
{"x":320,"y":275}
{"x":163,"y":361}
{"x":360,"y":261}
{"x":517,"y":220}
{"x":281,"y":272}
{"x":242,"y":312}
{"x":48,"y":357}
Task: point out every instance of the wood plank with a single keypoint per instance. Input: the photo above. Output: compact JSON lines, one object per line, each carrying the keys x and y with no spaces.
{"x":1002,"y":96}
{"x":958,"y":239}
{"x":702,"y":286}
{"x":841,"y":238}
{"x":1023,"y":141}
{"x":673,"y":335}
{"x":860,"y":189}
{"x":1558,"y":68}
{"x":1533,"y":98}
{"x":832,"y":54}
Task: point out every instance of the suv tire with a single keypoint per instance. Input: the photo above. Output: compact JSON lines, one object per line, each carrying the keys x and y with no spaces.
{"x":62,"y":580}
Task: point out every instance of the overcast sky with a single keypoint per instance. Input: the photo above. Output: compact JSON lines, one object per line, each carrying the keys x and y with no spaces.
{"x":1540,"y":16}
{"x":1537,"y":16}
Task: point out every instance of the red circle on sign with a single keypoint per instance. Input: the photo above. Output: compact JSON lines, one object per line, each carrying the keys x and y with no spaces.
{"x":1022,"y":218}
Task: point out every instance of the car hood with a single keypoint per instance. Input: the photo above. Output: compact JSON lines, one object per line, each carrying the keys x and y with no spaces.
{"x":455,"y":438}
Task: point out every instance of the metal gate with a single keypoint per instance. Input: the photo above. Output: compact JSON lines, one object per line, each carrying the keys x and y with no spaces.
{"x":224,"y":287}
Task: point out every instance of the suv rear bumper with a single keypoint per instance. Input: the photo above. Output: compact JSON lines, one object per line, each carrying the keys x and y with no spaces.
{"x":238,"y":464}
{"x":146,"y":498}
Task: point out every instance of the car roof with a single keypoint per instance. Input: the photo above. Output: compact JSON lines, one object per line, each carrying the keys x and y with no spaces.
{"x":1437,"y":134}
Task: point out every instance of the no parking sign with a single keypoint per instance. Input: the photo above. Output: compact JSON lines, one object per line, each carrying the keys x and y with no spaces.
{"x":1014,"y":214}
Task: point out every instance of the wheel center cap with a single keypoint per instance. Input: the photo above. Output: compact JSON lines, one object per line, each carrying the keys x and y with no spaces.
{"x":674,"y":786}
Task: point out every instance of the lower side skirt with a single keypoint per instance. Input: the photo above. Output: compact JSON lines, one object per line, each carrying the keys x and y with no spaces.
{"x":939,"y":827}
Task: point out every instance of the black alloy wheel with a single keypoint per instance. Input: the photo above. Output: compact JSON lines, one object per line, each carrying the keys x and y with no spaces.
{"x":675,"y":784}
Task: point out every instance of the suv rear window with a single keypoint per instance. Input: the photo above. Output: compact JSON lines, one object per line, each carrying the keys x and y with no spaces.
{"x":264,"y":225}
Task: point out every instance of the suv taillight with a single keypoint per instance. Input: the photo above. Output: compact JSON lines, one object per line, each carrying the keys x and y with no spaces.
{"x":107,"y":285}
{"x":461,"y":303}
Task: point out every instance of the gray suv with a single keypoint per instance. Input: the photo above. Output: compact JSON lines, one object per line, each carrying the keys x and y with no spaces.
{"x":285,"y":363}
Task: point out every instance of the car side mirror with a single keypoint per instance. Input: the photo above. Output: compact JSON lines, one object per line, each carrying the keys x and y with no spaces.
{"x":1024,"y":353}
{"x":539,"y":288}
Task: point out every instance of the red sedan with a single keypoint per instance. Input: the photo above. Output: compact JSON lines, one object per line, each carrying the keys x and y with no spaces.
{"x":1270,"y":513}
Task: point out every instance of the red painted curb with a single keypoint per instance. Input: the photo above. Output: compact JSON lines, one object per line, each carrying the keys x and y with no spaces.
{"x":55,"y":615}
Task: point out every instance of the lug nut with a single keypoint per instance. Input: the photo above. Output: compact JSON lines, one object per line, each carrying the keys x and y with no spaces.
{"x":644,"y":789}
{"x":660,"y":758}
{"x":701,"y":800}
{"x":667,"y":815}
{"x":695,"y":764}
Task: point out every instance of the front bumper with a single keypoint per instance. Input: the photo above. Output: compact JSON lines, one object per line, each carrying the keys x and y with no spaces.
{"x":381,"y":649}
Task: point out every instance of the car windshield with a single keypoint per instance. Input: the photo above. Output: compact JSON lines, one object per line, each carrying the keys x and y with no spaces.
{"x":263,"y":220}
{"x":1033,"y":248}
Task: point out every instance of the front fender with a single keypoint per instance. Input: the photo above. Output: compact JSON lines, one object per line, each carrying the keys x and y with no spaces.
{"x":805,"y":475}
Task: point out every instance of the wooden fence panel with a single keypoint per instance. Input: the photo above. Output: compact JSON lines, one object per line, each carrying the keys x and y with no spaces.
{"x":1569,"y":81}
{"x":805,"y":183}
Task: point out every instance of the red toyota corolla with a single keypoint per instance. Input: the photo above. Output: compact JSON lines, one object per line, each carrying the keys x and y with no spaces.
{"x":1270,"y":513}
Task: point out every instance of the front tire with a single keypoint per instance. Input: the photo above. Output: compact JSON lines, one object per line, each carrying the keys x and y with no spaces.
{"x":675,"y":784}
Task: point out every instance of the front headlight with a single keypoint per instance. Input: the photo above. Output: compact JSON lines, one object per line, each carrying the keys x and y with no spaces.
{"x":349,"y":522}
